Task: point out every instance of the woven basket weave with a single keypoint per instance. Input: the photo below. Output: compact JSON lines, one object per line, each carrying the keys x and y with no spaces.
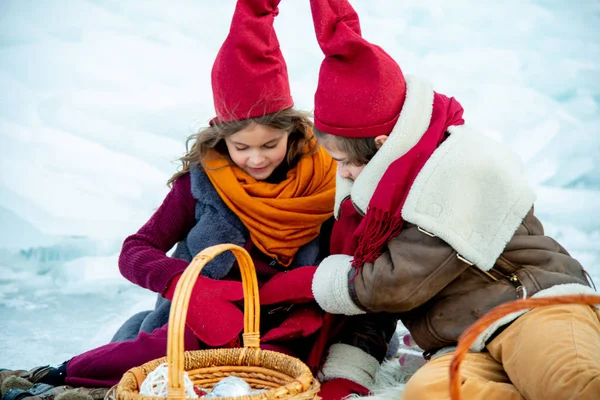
{"x":283,"y":376}
{"x":472,"y":333}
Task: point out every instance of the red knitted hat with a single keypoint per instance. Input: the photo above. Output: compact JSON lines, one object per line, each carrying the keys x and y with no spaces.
{"x":249,"y":76}
{"x":361,"y":89}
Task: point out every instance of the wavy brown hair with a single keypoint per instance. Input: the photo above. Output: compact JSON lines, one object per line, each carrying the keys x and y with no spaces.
{"x":296,"y":122}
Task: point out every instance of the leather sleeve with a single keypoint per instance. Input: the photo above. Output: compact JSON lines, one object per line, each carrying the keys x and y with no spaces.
{"x":413,"y":269}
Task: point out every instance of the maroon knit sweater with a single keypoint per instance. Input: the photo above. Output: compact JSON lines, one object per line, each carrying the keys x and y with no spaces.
{"x":143,"y":259}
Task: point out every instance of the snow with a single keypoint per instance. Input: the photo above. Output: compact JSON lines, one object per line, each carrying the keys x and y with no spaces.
{"x":98,"y":97}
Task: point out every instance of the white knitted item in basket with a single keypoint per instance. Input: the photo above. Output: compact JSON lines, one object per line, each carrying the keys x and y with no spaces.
{"x":157,"y":383}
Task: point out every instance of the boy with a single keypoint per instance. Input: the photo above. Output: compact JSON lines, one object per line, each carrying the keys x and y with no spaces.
{"x":436,"y":223}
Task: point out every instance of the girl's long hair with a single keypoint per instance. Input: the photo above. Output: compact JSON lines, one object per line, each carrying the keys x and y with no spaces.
{"x":296,"y":122}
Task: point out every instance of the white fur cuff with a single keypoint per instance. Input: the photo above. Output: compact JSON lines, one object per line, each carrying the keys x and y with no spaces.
{"x":330,"y":286}
{"x":349,"y":362}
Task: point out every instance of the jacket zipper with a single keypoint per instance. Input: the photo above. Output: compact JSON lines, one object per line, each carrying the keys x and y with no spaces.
{"x":357,"y":208}
{"x":479,"y":271}
{"x":519,"y":287}
{"x":512,"y":278}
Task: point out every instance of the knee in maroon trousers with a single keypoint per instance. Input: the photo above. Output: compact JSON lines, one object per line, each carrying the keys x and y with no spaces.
{"x":104,"y":366}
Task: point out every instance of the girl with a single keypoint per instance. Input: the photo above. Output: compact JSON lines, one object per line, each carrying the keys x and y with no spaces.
{"x":255,"y":177}
{"x":436,"y":223}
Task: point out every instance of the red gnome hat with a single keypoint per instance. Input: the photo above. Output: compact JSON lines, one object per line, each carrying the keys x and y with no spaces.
{"x":249,"y":76}
{"x":361,"y":89}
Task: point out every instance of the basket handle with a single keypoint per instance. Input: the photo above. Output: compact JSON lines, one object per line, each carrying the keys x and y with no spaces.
{"x":469,"y":336}
{"x":181,"y":300}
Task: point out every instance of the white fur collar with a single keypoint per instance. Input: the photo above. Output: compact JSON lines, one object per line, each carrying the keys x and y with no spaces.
{"x":471,"y":193}
{"x":412,"y":124}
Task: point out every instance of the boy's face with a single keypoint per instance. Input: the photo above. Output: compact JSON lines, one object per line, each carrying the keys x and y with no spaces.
{"x":345,"y":169}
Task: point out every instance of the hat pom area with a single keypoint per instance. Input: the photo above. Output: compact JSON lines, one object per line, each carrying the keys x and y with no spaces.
{"x":361,"y":89}
{"x":249,"y":76}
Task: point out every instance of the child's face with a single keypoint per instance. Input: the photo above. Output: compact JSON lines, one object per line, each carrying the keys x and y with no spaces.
{"x":345,"y":169}
{"x":258,"y":149}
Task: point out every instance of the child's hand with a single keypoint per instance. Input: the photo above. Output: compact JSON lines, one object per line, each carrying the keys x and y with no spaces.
{"x":212,"y":302}
{"x":293,"y":285}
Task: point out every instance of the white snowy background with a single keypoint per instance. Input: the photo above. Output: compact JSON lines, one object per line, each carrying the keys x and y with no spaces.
{"x":98,"y":96}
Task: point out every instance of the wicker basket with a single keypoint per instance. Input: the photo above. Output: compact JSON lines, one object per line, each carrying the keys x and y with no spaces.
{"x":283,"y":376}
{"x":472,"y":333}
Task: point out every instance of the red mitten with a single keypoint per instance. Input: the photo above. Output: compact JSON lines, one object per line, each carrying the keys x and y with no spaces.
{"x":212,"y":314}
{"x":294,"y":286}
{"x":339,"y":388}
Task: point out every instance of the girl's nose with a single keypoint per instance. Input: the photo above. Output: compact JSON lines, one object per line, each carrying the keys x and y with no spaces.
{"x":257,"y":160}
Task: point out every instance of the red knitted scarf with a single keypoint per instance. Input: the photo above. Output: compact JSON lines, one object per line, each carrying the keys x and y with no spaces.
{"x":383,"y":219}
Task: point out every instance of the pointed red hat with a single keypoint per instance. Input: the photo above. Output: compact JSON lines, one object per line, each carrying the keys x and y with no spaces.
{"x":249,"y":76}
{"x":361,"y":89}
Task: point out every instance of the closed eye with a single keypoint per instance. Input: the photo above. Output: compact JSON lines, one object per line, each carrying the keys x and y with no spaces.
{"x":269,"y":145}
{"x":272,"y":144}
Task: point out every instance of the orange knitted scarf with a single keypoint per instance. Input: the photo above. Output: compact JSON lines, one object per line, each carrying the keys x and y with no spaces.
{"x":281,"y":217}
